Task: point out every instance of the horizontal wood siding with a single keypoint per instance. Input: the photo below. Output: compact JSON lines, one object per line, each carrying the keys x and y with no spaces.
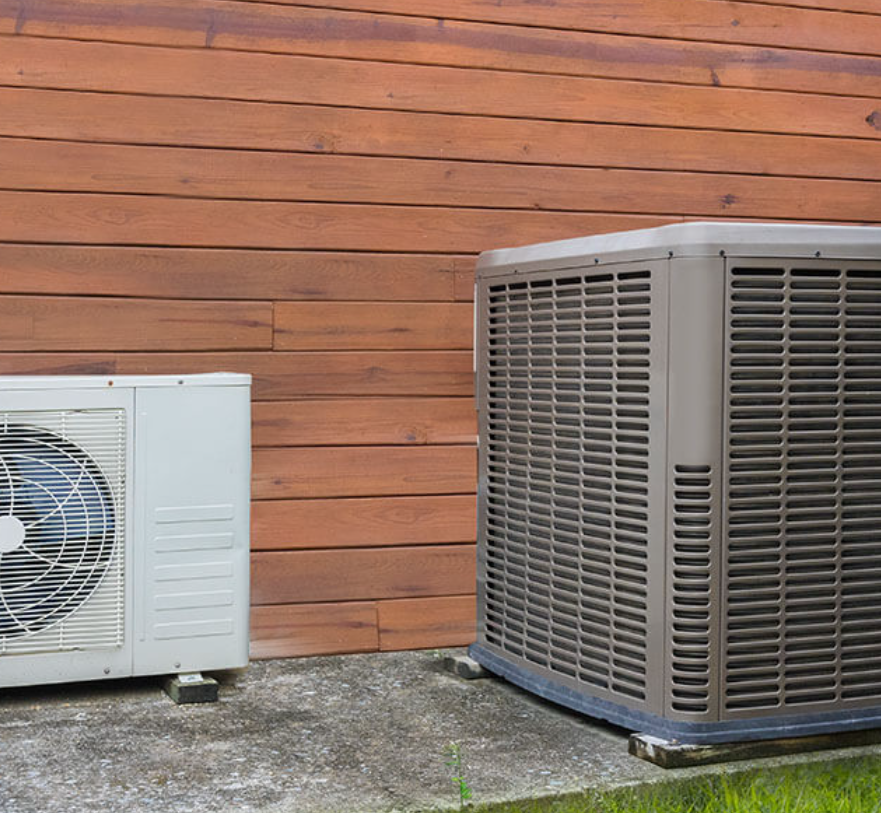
{"x":197,"y":273}
{"x":365,"y":421}
{"x":358,"y":471}
{"x":369,"y":325}
{"x":363,"y":521}
{"x":280,"y":631}
{"x":299,"y":192}
{"x":86,"y":323}
{"x":370,"y":573}
{"x":426,"y":622}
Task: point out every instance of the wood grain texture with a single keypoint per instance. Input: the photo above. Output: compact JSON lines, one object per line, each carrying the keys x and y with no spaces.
{"x":74,"y":167}
{"x":423,"y":623}
{"x":277,"y":376}
{"x":109,"y":117}
{"x":864,"y":6}
{"x":350,"y":34}
{"x":370,"y":573}
{"x":224,"y":273}
{"x":65,"y":64}
{"x":372,"y":326}
{"x":300,"y":192}
{"x":152,"y":220}
{"x":363,"y":522}
{"x":297,"y":630}
{"x":735,"y":22}
{"x":364,"y":421}
{"x":367,"y":471}
{"x":29,"y":323}
{"x":463,"y":282}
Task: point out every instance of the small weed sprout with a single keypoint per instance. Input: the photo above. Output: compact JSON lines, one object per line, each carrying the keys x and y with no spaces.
{"x":453,"y":754}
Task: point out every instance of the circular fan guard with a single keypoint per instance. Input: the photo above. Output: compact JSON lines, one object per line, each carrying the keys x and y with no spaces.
{"x":59,"y":497}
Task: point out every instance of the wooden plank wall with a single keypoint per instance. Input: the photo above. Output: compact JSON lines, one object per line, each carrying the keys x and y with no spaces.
{"x":298,"y":191}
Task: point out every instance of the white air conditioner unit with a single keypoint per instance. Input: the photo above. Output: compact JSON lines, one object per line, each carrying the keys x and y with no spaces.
{"x":680,"y":477}
{"x":124,"y":526}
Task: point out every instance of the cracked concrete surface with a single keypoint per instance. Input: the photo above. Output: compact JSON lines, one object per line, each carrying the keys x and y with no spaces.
{"x":349,"y":734}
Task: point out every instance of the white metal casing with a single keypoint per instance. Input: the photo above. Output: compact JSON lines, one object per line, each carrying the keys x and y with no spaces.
{"x":186,"y":512}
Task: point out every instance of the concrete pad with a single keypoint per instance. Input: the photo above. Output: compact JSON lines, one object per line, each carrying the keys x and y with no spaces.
{"x":352,"y":734}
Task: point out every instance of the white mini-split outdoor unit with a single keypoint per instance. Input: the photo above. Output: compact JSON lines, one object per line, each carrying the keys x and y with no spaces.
{"x":124,"y":508}
{"x":680,"y":477}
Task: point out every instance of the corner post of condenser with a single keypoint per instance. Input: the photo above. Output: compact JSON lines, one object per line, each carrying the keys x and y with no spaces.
{"x":694,"y":491}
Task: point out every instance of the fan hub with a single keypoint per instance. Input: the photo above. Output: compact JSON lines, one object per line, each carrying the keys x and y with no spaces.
{"x":12,"y":534}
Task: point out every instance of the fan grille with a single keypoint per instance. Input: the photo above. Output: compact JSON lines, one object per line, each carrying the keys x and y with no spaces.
{"x":567,"y":501}
{"x":804,"y":486}
{"x":61,"y":530}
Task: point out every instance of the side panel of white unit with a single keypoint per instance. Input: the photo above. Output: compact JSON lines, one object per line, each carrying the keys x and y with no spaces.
{"x":192,"y":528}
{"x":100,"y":422}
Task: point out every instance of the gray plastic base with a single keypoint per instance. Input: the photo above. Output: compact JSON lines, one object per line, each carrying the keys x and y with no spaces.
{"x":757,"y":728}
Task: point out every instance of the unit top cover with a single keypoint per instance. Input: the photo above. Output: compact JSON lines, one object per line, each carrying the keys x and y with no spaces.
{"x":691,"y":240}
{"x":79,"y":382}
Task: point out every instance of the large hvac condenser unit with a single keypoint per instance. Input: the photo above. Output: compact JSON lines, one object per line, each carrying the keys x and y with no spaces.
{"x":680,"y":477}
{"x":124,"y":526}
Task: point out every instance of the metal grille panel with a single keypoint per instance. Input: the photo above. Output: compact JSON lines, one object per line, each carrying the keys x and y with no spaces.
{"x":860,"y":509}
{"x":691,"y":589}
{"x":801,"y":619}
{"x":567,"y":495}
{"x":62,"y":511}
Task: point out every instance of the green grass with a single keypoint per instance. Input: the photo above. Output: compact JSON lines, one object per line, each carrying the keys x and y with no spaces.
{"x":845,"y":786}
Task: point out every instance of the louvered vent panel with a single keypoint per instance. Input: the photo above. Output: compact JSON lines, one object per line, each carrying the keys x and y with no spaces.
{"x":62,"y":483}
{"x":691,"y":599}
{"x":567,"y":484}
{"x":804,"y":481}
{"x":861,"y":490}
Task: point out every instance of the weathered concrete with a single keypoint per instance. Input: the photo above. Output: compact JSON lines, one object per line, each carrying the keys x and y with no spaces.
{"x":317,"y":735}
